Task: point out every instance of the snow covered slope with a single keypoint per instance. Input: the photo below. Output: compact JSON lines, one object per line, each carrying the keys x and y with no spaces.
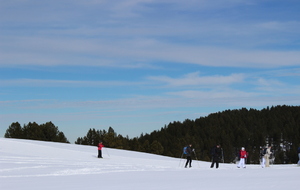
{"x":37,"y":165}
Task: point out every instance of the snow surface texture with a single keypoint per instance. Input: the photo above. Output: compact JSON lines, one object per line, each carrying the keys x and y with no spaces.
{"x":26,"y":164}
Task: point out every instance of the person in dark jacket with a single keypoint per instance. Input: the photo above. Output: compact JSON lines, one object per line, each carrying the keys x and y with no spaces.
{"x":262,"y":154}
{"x":216,"y":156}
{"x":189,"y":156}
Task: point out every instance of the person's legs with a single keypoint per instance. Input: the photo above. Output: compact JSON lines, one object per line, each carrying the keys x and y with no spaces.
{"x":99,"y":154}
{"x":267,"y":161}
{"x":187,"y":160}
{"x":212,"y":163}
{"x":243,"y":163}
{"x":263,"y":162}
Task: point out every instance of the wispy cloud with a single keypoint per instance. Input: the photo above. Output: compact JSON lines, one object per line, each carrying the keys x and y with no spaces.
{"x":193,"y":79}
{"x":212,"y":95}
{"x":64,"y":83}
{"x":102,"y":53}
{"x":120,"y":33}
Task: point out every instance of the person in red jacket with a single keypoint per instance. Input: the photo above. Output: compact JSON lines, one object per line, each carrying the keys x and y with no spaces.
{"x":100,"y":145}
{"x":243,"y":156}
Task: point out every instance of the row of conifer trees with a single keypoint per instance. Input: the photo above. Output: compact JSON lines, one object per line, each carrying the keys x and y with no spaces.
{"x":250,"y":128}
{"x":44,"y":132}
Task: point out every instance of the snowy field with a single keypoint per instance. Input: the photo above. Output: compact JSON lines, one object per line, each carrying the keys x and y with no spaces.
{"x":36,"y":165}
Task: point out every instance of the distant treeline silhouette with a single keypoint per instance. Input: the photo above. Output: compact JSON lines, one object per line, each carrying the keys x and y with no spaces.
{"x":250,"y":128}
{"x":277,"y":126}
{"x":34,"y":131}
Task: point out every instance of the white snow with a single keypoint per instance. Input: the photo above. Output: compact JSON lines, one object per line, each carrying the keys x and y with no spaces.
{"x":26,"y":164}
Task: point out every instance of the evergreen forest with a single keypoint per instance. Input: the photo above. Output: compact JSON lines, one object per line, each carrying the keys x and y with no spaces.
{"x":253,"y":129}
{"x":250,"y":128}
{"x":34,"y":131}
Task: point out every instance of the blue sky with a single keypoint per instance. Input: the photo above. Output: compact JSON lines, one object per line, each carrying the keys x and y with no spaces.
{"x":137,"y":65}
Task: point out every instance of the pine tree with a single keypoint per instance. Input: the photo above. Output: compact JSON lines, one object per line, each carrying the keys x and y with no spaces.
{"x":14,"y":131}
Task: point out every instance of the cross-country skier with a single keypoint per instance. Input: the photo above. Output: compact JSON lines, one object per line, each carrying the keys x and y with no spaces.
{"x":100,"y":146}
{"x":216,"y":156}
{"x":263,"y":159}
{"x":267,"y":156}
{"x":243,"y":156}
{"x":188,"y":156}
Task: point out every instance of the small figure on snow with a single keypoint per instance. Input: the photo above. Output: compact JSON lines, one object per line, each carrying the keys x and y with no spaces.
{"x":188,"y":153}
{"x":267,"y":156}
{"x":216,"y":156}
{"x":100,"y":146}
{"x":298,"y":151}
{"x":262,"y":154}
{"x":243,"y":156}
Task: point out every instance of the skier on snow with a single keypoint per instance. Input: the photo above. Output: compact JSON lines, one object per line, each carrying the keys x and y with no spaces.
{"x":100,"y":146}
{"x":267,"y":156}
{"x":243,"y":156}
{"x":216,"y":156}
{"x":188,"y":156}
{"x":263,"y":159}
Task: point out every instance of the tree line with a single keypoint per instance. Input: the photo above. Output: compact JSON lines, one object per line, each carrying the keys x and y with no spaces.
{"x":34,"y":131}
{"x":277,"y":126}
{"x":250,"y":128}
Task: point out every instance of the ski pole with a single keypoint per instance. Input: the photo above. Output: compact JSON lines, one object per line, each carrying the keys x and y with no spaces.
{"x":222,"y":155}
{"x":180,"y":160}
{"x":107,"y":152}
{"x":196,"y":157}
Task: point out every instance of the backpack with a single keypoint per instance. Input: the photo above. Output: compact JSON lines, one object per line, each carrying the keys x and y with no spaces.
{"x":185,"y":150}
{"x":265,"y":151}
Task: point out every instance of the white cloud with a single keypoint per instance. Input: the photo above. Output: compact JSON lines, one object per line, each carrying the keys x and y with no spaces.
{"x":40,"y":51}
{"x":215,"y":94}
{"x":64,"y":83}
{"x":193,"y":79}
{"x":289,"y":26}
{"x":97,"y":33}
